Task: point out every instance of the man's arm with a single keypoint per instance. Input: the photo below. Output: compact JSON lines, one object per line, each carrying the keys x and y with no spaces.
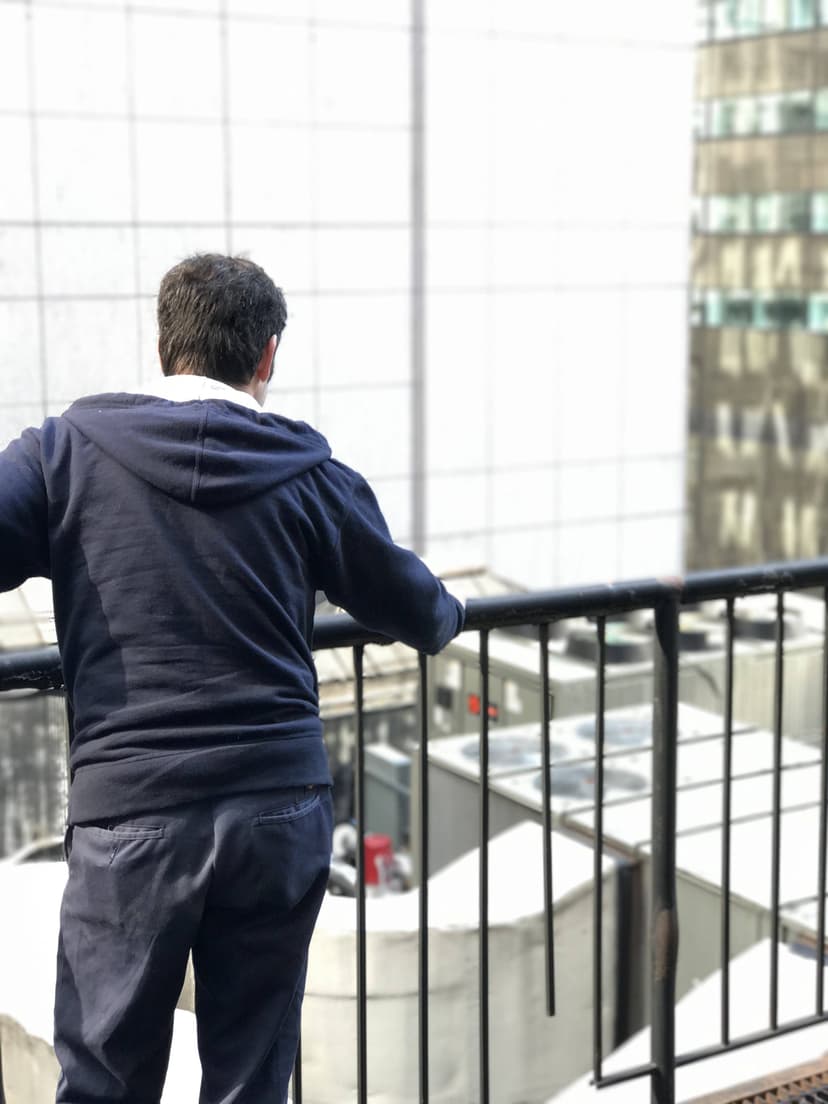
{"x":385,"y":587}
{"x":24,"y":530}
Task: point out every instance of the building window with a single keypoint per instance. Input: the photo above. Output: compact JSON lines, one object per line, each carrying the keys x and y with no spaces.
{"x":772,"y":213}
{"x":766,"y":213}
{"x":771,"y":311}
{"x":819,"y":212}
{"x":793,"y":213}
{"x":724,"y":19}
{"x":737,"y":309}
{"x":788,"y":113}
{"x":769,"y":114}
{"x":797,"y":113}
{"x":781,"y":312}
{"x":738,"y":117}
{"x":818,"y":313}
{"x":697,"y":308}
{"x":722,"y":118}
{"x":803,"y":14}
{"x":728,"y":19}
{"x":776,"y":15}
{"x":713,"y":308}
{"x":729,"y":214}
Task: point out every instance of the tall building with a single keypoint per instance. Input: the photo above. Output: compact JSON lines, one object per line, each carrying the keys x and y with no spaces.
{"x":485,"y":263}
{"x":757,"y":464}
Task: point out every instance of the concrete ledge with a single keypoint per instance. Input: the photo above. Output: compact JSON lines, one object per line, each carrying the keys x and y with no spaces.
{"x":30,"y":1069}
{"x":28,"y":953}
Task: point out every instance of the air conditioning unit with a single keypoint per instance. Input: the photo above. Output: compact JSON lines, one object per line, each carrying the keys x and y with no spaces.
{"x":515,"y":775}
{"x":627,"y":827}
{"x":532,"y":1054}
{"x":33,"y":767}
{"x":514,"y":668}
{"x":387,"y":793}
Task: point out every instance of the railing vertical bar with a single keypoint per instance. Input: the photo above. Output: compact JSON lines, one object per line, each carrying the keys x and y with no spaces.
{"x":823,"y":804}
{"x":598,"y":860}
{"x":297,"y":1074}
{"x":362,"y":994}
{"x":776,"y":813}
{"x":546,"y":767}
{"x":727,"y":790}
{"x":665,"y":919}
{"x":484,"y":867}
{"x":424,"y":823}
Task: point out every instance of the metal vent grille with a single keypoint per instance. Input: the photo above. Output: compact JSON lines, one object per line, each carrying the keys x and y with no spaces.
{"x":804,"y":1090}
{"x":814,"y":1094}
{"x":806,"y":1084}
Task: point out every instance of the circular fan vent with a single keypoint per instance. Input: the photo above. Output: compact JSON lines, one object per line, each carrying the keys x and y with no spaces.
{"x":512,"y":751}
{"x":620,"y":731}
{"x":578,"y":780}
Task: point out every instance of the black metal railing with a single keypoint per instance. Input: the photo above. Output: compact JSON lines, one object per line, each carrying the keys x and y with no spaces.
{"x":665,"y":598}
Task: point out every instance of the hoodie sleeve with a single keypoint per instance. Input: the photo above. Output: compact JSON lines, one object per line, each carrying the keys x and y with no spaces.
{"x":24,"y":527}
{"x":386,"y":587}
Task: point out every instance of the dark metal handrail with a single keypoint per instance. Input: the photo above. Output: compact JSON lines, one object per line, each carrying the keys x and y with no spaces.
{"x":40,"y":668}
{"x":535,"y":608}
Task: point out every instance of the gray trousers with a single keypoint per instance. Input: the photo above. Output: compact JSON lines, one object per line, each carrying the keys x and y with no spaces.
{"x":239,"y":881}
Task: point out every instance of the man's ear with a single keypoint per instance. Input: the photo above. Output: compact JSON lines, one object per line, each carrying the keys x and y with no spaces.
{"x":264,"y":369}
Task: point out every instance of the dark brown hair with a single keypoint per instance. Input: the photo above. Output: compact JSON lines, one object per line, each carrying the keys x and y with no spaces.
{"x":215,"y":316}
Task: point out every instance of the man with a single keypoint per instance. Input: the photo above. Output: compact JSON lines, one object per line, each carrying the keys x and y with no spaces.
{"x":186,"y":533}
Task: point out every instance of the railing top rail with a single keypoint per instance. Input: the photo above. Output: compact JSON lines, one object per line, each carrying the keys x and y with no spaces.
{"x":40,"y":668}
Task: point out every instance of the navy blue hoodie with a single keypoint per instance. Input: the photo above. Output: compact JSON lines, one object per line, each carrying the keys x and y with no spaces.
{"x":185,"y":542}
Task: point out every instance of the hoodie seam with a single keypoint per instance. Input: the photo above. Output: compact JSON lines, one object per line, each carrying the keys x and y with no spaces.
{"x":346,"y":516}
{"x":202,"y":423}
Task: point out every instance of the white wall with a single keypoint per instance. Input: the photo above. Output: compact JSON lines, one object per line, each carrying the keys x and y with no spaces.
{"x":558,"y":195}
{"x":559,"y":172}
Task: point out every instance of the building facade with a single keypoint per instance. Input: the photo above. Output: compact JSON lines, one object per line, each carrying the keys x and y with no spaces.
{"x":486,"y":269}
{"x":757,"y":461}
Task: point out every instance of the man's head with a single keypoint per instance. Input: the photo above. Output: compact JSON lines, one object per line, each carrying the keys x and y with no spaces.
{"x":220,"y":317}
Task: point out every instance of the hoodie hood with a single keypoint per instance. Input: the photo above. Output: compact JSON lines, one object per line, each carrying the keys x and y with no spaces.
{"x":205,"y":452}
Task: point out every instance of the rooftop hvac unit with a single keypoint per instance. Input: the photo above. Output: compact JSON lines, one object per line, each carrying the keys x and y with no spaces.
{"x":516,"y":795}
{"x":627,"y":828}
{"x":515,"y":761}
{"x":532,"y":1054}
{"x":755,"y":658}
{"x":514,"y":679}
{"x":33,"y":767}
{"x":387,"y":792}
{"x":390,"y":680}
{"x":514,"y":668}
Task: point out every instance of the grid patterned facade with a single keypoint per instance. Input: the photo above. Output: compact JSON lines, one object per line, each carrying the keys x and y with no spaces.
{"x":543,"y":431}
{"x":759,"y":344}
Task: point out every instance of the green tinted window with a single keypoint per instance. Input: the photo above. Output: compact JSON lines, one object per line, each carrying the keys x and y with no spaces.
{"x":819,"y":212}
{"x":803,"y":14}
{"x":781,"y":312}
{"x":714,"y":308}
{"x":797,"y":112}
{"x":818,"y":313}
{"x":737,"y":309}
{"x":729,"y":214}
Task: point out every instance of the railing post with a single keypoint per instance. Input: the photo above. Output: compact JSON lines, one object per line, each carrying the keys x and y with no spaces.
{"x":664,"y":912}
